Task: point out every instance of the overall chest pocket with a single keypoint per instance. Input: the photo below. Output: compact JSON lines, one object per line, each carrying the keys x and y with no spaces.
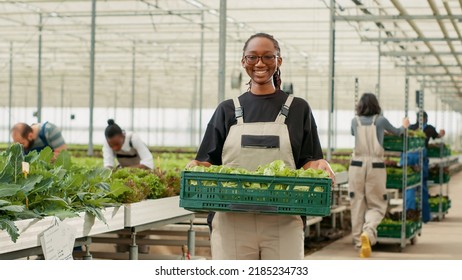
{"x":260,"y":141}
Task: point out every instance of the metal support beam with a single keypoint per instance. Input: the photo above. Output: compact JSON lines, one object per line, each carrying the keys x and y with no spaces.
{"x":434,"y":74}
{"x":201,"y":79}
{"x":376,"y":18}
{"x":428,"y":65}
{"x":442,"y":82}
{"x":403,"y":39}
{"x":62,"y":101}
{"x":331,"y":84}
{"x":222,"y":53}
{"x":115,"y":100}
{"x":92,"y":76}
{"x":415,"y":53}
{"x":149,"y":110}
{"x":406,"y":96}
{"x":356,"y":92}
{"x":10,"y":91}
{"x":420,"y":104}
{"x":379,"y":66}
{"x":306,"y":77}
{"x":39,"y":72}
{"x":442,"y":87}
{"x":193,"y":108}
{"x":132,"y":112}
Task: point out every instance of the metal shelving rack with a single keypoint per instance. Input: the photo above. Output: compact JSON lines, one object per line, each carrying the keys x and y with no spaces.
{"x":402,"y":241}
{"x":442,"y":161}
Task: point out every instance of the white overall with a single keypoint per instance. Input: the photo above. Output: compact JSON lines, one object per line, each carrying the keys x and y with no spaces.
{"x":367,"y":183}
{"x":254,"y":236}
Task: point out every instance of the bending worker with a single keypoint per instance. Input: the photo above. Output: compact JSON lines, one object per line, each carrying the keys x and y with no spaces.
{"x":128,"y":148}
{"x":262,"y":125}
{"x":37,"y":136}
{"x":367,"y":174}
{"x":130,"y":151}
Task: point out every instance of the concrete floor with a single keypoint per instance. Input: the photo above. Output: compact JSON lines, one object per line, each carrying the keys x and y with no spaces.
{"x":439,"y":240}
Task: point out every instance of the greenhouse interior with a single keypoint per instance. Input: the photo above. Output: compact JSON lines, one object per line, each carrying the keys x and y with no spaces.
{"x":124,"y":129}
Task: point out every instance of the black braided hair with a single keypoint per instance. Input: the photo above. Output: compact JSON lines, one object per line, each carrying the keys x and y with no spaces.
{"x":277,"y":75}
{"x":112,"y":129}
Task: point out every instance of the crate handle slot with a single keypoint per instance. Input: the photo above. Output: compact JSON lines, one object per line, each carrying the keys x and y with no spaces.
{"x":252,"y":208}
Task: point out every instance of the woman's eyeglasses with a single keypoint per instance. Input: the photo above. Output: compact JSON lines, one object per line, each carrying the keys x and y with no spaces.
{"x":266,"y":59}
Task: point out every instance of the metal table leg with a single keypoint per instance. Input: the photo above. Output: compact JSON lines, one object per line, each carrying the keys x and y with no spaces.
{"x":87,"y":255}
{"x":191,"y":239}
{"x":334,"y":220}
{"x":133,"y":251}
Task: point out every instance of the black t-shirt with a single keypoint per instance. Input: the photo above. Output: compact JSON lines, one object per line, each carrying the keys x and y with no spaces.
{"x":300,"y":122}
{"x":429,"y":130}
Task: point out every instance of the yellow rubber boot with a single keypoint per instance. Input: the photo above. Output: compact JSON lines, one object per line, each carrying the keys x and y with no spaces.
{"x":366,"y":250}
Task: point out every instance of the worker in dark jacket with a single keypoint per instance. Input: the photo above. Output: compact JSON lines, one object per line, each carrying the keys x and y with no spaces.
{"x":413,"y":159}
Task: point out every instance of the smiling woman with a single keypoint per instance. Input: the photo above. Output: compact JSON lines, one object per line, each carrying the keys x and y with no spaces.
{"x":255,"y":129}
{"x":261,"y":60}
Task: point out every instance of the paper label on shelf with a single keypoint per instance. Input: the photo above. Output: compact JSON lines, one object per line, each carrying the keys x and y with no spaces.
{"x":25,"y":167}
{"x":58,"y":241}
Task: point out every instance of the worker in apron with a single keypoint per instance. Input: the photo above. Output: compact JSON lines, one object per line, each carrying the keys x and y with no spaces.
{"x":130,"y":157}
{"x":38,"y":136}
{"x":262,"y":125}
{"x":249,"y":145}
{"x":130,"y":151}
{"x":126,"y":147}
{"x":367,"y":183}
{"x":367,"y":174}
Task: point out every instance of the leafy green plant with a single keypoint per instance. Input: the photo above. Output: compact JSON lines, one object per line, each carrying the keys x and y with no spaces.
{"x":50,"y":188}
{"x":336,"y":167}
{"x":275,"y":168}
{"x":139,"y":184}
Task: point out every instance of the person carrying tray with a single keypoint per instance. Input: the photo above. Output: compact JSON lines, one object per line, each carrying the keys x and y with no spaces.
{"x":262,"y":125}
{"x":367,"y":177}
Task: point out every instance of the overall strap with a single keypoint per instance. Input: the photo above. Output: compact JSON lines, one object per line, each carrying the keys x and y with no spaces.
{"x":281,"y":118}
{"x":42,"y":134}
{"x":130,"y":141}
{"x":358,"y":122}
{"x":374,"y":119}
{"x":238,"y":112}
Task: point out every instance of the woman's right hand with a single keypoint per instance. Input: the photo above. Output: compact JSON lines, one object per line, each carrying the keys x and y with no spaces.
{"x":198,"y":163}
{"x":406,"y":122}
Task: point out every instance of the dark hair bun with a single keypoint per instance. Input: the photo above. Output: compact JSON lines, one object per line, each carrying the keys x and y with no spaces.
{"x":110,"y":122}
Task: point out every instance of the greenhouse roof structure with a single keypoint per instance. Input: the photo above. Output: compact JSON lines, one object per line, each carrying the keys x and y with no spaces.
{"x":166,"y":53}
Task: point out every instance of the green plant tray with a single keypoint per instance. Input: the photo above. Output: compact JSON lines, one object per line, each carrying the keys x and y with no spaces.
{"x":395,"y":181}
{"x":201,"y":191}
{"x":446,"y":204}
{"x":437,"y":152}
{"x":396,"y":143}
{"x":418,"y":225}
{"x":394,"y":230}
{"x":436,"y":178}
{"x":435,"y":207}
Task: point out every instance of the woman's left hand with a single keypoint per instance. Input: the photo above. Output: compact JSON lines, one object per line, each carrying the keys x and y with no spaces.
{"x":321,"y":164}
